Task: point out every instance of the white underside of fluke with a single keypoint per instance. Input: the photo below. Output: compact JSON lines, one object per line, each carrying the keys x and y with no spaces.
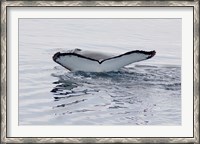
{"x":98,"y":62}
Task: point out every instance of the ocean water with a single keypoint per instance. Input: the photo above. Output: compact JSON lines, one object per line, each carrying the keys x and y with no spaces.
{"x":143,"y":93}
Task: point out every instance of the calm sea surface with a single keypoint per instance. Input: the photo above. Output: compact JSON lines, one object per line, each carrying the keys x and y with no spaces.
{"x":143,"y":93}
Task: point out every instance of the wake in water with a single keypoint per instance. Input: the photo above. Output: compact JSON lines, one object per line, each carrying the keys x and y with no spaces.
{"x":140,"y":95}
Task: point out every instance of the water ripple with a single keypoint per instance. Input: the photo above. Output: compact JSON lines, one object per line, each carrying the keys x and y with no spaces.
{"x":142,"y":91}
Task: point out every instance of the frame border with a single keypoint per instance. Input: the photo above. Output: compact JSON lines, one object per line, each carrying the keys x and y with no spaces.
{"x":6,"y":4}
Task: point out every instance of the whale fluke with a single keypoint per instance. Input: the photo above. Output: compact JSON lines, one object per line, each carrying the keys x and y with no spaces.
{"x":78,"y":60}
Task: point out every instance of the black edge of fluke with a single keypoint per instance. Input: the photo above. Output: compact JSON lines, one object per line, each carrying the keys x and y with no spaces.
{"x":150,"y":53}
{"x":56,"y":55}
{"x":153,"y":53}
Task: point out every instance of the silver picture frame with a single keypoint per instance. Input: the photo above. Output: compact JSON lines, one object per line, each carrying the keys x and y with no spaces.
{"x":5,"y":4}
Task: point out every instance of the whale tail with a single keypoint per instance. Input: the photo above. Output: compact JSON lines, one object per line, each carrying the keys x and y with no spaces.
{"x":78,"y":62}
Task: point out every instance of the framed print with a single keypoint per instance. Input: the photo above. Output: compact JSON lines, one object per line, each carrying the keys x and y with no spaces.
{"x":100,"y":71}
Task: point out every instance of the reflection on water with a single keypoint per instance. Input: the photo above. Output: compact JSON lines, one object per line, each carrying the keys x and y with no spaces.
{"x":139,"y":95}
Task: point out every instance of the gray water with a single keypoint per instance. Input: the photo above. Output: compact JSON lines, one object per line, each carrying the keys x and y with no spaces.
{"x":143,"y":93}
